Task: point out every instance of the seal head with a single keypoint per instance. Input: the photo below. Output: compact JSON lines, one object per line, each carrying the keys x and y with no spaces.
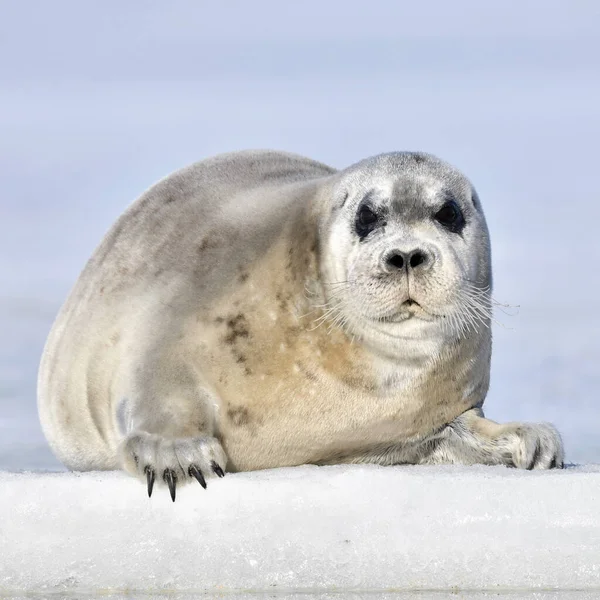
{"x":406,"y":251}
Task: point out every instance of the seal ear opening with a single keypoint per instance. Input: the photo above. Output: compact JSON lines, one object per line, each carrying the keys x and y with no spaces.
{"x":339,"y":199}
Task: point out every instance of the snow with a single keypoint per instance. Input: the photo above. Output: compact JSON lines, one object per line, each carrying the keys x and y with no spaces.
{"x":311,"y":529}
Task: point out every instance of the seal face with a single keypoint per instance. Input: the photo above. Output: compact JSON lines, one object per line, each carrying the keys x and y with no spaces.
{"x":408,"y":252}
{"x":259,"y":309}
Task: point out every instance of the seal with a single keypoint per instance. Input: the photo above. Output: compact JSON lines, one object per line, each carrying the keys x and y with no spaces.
{"x":259,"y":309}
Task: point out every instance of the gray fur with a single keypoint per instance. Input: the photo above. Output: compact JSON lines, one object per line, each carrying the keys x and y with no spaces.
{"x":232,"y":316}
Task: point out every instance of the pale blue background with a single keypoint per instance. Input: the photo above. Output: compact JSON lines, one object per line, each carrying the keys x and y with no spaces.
{"x":100,"y":99}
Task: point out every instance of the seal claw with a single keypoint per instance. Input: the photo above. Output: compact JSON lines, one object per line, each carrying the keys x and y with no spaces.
{"x":217,"y":469}
{"x":171,"y":480}
{"x":150,"y":479}
{"x":194,"y":471}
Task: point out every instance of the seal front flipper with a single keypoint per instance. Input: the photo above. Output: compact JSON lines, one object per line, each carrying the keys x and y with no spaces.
{"x":166,"y":418}
{"x":473,"y":439}
{"x":175,"y":461}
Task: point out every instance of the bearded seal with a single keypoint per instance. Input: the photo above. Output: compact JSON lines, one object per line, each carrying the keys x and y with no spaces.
{"x":259,"y":309}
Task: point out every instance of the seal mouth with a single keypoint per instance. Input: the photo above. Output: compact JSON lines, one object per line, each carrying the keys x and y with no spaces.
{"x":410,"y":303}
{"x":409,"y":309}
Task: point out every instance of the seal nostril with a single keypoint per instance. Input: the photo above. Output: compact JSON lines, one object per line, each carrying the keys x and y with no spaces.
{"x":396,"y":260}
{"x":417,"y":258}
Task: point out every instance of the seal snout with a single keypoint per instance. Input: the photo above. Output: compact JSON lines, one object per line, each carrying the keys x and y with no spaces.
{"x":397,"y":260}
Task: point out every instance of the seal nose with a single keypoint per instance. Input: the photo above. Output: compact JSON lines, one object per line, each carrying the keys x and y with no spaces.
{"x":407,"y":260}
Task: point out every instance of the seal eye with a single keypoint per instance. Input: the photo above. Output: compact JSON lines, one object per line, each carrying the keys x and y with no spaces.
{"x":366,"y":216}
{"x":366,"y":221}
{"x":450,"y":217}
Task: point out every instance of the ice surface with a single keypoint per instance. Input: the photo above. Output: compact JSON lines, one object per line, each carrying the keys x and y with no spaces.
{"x":342,"y":595}
{"x":305,"y":529}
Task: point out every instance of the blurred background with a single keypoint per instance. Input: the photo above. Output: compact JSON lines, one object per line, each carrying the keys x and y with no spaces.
{"x":99,"y":100}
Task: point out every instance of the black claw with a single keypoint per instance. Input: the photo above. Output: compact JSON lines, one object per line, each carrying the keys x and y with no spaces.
{"x":171,"y":480}
{"x":150,"y":479}
{"x":217,"y":469}
{"x":194,"y":471}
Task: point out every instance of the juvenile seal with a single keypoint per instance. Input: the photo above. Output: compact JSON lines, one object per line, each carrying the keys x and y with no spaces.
{"x":259,"y":309}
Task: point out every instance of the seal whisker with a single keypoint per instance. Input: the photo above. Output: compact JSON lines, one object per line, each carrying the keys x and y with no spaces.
{"x":485,"y":292}
{"x":504,"y":308}
{"x":478,"y":311}
{"x":330,"y":313}
{"x":317,"y":308}
{"x":337,"y":282}
{"x":338,"y":319}
{"x":465,"y":317}
{"x":468,"y":321}
{"x":483,"y":311}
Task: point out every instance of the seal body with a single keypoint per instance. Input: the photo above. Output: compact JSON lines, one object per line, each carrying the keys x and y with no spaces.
{"x":260,"y":309}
